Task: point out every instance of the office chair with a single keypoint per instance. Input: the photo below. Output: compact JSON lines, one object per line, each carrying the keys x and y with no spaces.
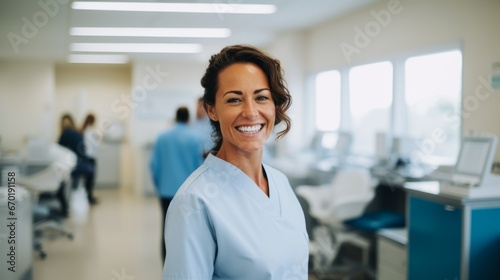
{"x":345,"y":198}
{"x":54,"y":181}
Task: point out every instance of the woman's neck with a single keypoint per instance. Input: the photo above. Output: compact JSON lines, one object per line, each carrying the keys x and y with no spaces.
{"x":250,"y":164}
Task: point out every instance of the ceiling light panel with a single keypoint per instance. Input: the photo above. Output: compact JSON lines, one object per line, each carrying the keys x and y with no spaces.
{"x":151,"y":32}
{"x":97,"y":58}
{"x":216,"y":8}
{"x":136,"y":47}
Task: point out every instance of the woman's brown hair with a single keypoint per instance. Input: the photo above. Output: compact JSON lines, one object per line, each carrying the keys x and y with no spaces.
{"x":271,"y":68}
{"x":89,"y":120}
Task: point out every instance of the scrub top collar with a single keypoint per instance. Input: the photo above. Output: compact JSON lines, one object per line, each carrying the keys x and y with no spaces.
{"x":236,"y":178}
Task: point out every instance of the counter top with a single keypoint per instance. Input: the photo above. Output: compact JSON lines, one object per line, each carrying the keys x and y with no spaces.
{"x":399,"y":235}
{"x":441,"y":192}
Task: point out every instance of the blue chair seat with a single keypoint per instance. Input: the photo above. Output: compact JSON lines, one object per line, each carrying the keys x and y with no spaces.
{"x":375,"y":221}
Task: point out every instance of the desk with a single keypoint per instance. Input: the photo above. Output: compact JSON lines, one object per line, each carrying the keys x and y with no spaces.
{"x":451,"y":237}
{"x":20,"y":166}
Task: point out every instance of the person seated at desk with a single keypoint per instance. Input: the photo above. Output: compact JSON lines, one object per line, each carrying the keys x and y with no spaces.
{"x":73,"y":139}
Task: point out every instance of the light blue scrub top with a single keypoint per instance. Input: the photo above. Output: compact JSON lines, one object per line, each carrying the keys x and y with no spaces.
{"x":220,"y":225}
{"x":177,"y":153}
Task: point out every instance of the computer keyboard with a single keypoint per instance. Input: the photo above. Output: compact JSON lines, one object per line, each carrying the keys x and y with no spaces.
{"x":454,"y":178}
{"x":437,"y":175}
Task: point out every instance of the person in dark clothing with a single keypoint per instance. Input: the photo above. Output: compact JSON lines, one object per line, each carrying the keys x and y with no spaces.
{"x":73,"y":139}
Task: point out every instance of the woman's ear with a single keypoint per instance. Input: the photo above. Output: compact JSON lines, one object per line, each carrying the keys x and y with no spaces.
{"x":211,"y":113}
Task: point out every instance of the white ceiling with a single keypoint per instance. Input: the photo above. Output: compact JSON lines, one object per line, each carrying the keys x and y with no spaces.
{"x":50,"y":40}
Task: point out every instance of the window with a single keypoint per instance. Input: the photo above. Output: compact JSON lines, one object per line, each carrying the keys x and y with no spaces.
{"x":415,"y":99}
{"x":432,"y":94}
{"x":370,"y":99}
{"x":328,"y":101}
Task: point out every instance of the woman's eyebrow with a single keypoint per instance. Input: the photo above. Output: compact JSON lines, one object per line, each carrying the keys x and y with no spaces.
{"x":260,"y":90}
{"x":239,"y":92}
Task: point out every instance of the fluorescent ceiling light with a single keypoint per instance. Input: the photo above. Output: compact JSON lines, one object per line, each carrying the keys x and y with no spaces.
{"x":151,"y":32}
{"x":136,"y":47}
{"x":97,"y":58}
{"x":216,"y":8}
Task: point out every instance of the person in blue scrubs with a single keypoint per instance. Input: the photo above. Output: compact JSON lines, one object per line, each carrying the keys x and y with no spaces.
{"x":235,"y":217}
{"x":177,"y":153}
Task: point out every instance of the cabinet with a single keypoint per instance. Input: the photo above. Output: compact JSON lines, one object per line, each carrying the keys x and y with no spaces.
{"x":23,"y":234}
{"x":452,"y":237}
{"x":108,"y":165}
{"x":391,"y":254}
{"x":435,"y":234}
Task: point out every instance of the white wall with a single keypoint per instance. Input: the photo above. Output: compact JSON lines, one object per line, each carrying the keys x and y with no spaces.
{"x":289,"y":50}
{"x":158,"y":89}
{"x":179,"y":81}
{"x":416,"y":26}
{"x":27,"y":102}
{"x":82,"y":88}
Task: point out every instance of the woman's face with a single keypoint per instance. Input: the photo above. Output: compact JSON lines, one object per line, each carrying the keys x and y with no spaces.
{"x":244,"y":108}
{"x":66,"y":123}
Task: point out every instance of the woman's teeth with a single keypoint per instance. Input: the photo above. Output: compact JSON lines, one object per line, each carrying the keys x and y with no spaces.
{"x":250,"y":129}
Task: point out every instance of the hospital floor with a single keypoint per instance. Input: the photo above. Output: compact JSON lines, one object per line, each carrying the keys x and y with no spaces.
{"x":118,"y":239}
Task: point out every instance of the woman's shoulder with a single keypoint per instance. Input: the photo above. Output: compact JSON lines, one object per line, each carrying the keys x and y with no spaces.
{"x":198,"y":182}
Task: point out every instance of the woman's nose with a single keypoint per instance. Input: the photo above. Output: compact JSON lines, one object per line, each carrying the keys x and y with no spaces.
{"x":249,"y":110}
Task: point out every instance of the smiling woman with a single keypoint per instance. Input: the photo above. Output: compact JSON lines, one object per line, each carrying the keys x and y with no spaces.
{"x":234,"y":217}
{"x":244,"y":110}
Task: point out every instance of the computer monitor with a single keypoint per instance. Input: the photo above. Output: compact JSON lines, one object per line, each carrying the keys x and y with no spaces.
{"x":331,"y":143}
{"x":476,"y":156}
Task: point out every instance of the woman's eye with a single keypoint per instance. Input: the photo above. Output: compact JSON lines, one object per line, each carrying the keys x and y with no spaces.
{"x":233,"y":100}
{"x":262,"y":98}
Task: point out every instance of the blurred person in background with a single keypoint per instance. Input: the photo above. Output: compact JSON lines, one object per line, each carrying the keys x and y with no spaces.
{"x":176,"y":154}
{"x":72,"y":139}
{"x":92,"y":142}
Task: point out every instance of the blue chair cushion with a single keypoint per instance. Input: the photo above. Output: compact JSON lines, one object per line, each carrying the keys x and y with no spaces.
{"x":375,"y":221}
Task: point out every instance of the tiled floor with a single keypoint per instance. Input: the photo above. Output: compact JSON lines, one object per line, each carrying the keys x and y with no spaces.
{"x":118,"y":239}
